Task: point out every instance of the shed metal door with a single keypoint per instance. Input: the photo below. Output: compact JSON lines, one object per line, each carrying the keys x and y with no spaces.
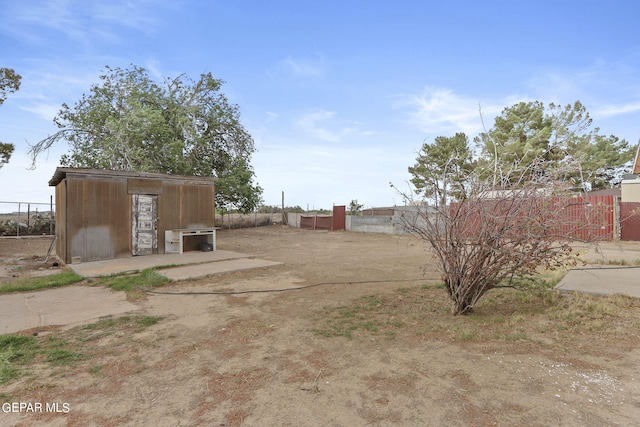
{"x":143,"y":229}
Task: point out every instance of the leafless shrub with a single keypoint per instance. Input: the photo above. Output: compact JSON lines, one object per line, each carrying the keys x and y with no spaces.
{"x":488,"y":237}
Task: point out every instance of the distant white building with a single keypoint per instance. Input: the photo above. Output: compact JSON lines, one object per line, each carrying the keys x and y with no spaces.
{"x":631,"y":183}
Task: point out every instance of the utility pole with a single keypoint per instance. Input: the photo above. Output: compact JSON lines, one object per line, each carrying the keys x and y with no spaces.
{"x":285,"y":220}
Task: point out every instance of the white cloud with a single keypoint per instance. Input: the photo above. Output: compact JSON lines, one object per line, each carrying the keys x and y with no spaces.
{"x":82,"y":21}
{"x":309,"y":123}
{"x":321,"y":125}
{"x":616,"y":110}
{"x":271,"y":117}
{"x":44,"y":111}
{"x":440,"y":110}
{"x":606,"y":88}
{"x":300,"y":68}
{"x":303,"y":68}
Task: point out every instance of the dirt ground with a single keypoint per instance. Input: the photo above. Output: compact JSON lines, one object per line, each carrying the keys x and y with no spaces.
{"x":262,"y":359}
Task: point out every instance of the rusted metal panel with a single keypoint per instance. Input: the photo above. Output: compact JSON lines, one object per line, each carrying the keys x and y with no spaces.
{"x":584,"y":217}
{"x":61,"y":221}
{"x":308,"y":222}
{"x":94,"y":207}
{"x":97,"y":213}
{"x":339,"y":218}
{"x":316,"y":222}
{"x":144,"y":186}
{"x":630,"y":221}
{"x":324,"y":222}
{"x":185,"y":206}
{"x":198,"y":208}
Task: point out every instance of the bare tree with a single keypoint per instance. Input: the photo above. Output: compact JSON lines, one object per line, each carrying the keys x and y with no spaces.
{"x":490,"y":237}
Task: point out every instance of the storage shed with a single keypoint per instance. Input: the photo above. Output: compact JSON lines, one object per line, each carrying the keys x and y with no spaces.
{"x":103,"y":214}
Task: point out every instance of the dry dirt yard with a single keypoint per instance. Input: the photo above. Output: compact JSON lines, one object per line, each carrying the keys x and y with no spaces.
{"x":372,"y":345}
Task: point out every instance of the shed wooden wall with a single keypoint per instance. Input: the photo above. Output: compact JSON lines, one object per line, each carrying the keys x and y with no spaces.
{"x":93,"y":218}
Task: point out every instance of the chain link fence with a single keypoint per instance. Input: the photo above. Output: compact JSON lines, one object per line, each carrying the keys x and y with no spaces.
{"x":263,"y":215}
{"x":27,"y":218}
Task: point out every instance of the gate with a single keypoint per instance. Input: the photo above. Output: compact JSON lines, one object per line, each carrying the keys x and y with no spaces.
{"x":339,"y":218}
{"x":629,"y":221}
{"x":334,"y":222}
{"x":144,"y":217}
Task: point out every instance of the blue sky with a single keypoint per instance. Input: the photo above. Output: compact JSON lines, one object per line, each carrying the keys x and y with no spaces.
{"x":338,"y":95}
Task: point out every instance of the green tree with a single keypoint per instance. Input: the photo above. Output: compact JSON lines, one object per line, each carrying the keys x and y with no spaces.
{"x":178,"y":126}
{"x":9,"y":83}
{"x":355,"y":208}
{"x":529,"y":139}
{"x":440,"y":168}
{"x":603,"y":161}
{"x":235,"y":189}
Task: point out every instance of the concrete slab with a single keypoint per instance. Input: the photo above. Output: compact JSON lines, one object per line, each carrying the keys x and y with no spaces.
{"x":64,"y":306}
{"x":82,"y":304}
{"x":139,"y":263}
{"x":603,"y":279}
{"x":611,"y":252}
{"x":218,"y":267}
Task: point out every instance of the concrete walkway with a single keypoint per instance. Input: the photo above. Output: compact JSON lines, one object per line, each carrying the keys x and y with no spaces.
{"x":73,"y":305}
{"x":603,"y":279}
{"x":601,"y":275}
{"x":218,"y":267}
{"x":64,"y":306}
{"x":182,"y":266}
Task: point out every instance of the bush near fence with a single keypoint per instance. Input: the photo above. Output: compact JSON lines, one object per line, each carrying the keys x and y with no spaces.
{"x":236,"y":220}
{"x":37,"y":224}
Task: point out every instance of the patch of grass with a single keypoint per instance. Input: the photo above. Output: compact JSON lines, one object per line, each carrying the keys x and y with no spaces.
{"x":111,"y":325}
{"x":15,"y":350}
{"x":517,"y":336}
{"x":102,"y":324}
{"x":96,"y":370}
{"x":621,"y":262}
{"x":56,"y":351}
{"x":147,"y":278}
{"x":65,"y":349}
{"x":19,"y":350}
{"x":349,"y":319}
{"x":38,"y":283}
{"x":540,"y":317}
{"x":61,"y":356}
{"x":130,"y":283}
{"x":145,"y":322}
{"x":467,"y":334}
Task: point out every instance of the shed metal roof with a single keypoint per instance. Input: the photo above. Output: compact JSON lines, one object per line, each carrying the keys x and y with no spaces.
{"x":62,"y":173}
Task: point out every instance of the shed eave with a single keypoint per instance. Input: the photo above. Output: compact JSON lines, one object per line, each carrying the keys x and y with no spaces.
{"x":61,"y":173}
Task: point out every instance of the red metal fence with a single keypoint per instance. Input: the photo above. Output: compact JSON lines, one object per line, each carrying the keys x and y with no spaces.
{"x":582,"y":217}
{"x":587,"y":217}
{"x":333,"y":222}
{"x":316,"y":222}
{"x":630,"y":221}
{"x":339,"y":218}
